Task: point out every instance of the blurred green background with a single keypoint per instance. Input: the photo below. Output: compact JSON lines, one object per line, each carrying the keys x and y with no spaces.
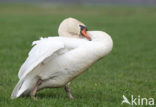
{"x":128,"y":70}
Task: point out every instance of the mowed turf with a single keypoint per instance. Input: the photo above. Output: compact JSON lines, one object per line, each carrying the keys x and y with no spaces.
{"x":130,"y":69}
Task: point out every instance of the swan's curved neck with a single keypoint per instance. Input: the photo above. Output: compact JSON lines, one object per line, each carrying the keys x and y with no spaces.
{"x":68,"y":34}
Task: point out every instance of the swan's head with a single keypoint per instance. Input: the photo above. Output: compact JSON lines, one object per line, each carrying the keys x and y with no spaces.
{"x":71,"y":27}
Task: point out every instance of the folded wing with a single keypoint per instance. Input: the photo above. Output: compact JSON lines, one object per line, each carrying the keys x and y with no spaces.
{"x":42,"y":49}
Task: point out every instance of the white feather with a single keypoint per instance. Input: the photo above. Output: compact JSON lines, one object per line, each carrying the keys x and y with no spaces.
{"x":42,"y":49}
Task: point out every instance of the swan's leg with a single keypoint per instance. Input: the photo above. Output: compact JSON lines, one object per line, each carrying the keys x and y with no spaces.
{"x":33,"y":92}
{"x":68,"y":91}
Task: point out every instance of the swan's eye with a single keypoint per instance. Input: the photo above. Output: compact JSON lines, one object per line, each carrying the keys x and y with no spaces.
{"x":83,"y":27}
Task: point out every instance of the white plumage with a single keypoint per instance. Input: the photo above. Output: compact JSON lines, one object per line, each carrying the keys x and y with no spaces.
{"x":58,"y":60}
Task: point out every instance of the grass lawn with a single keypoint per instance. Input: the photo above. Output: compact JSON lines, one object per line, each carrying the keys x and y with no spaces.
{"x":130,"y":69}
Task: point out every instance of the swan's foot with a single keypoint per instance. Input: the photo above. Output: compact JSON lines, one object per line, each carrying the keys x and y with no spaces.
{"x":68,"y":92}
{"x":33,"y":92}
{"x":34,"y":98}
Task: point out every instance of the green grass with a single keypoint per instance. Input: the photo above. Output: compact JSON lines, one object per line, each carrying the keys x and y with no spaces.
{"x":130,"y":68}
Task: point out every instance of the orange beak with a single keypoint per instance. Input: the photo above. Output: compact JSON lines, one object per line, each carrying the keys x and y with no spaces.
{"x":84,"y":33}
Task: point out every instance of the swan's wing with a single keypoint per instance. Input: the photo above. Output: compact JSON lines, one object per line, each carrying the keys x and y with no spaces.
{"x":43,"y":48}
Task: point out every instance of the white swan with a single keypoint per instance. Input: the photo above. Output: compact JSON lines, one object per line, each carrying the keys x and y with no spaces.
{"x":55,"y":61}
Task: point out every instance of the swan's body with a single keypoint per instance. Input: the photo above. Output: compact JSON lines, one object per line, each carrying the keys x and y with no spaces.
{"x":58,"y":60}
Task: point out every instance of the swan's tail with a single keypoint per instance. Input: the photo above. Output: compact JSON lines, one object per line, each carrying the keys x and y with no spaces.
{"x":16,"y":90}
{"x":23,"y":87}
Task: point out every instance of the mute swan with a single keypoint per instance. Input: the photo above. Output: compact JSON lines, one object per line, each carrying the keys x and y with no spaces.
{"x":55,"y":61}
